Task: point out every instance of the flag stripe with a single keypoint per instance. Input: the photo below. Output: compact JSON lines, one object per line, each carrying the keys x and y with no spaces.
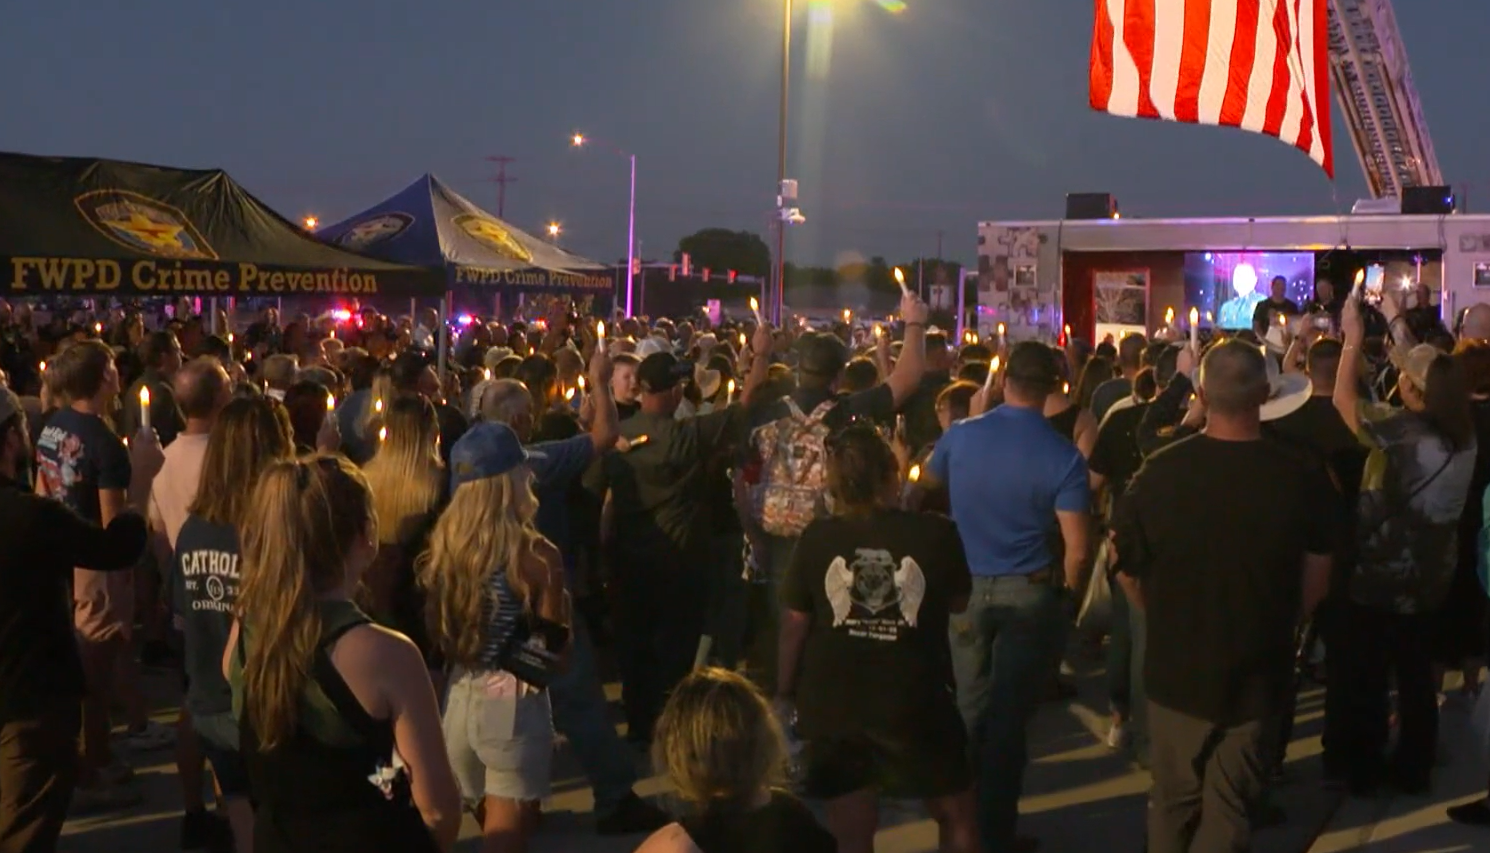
{"x":1278,"y":98}
{"x":1196,"y":36}
{"x":1259,"y":65}
{"x":1138,"y":38}
{"x":1100,"y":88}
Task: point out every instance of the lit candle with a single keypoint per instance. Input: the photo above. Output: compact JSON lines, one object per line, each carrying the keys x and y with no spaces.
{"x":729,"y":392}
{"x":600,"y":330}
{"x":97,"y":328}
{"x":1065,"y":387}
{"x":378,"y":406}
{"x":144,"y":407}
{"x":382,"y":434}
{"x":230,"y":338}
{"x":1360,"y":278}
{"x":879,"y":331}
{"x":41,"y":367}
{"x":900,"y":280}
{"x":1194,"y":327}
{"x":755,"y":308}
{"x":1169,"y":316}
{"x":742,"y":340}
{"x":1068,"y":333}
{"x":568,"y":394}
{"x":848,"y":315}
{"x":330,"y":402}
{"x":581,"y":383}
{"x":915,"y":473}
{"x":485,"y":374}
{"x":1001,"y":334}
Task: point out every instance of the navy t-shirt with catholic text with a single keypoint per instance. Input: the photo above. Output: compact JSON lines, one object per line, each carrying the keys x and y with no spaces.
{"x":204,"y":588}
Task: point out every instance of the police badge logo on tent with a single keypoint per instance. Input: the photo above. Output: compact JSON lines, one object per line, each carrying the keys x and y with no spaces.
{"x":375,"y":229}
{"x":491,"y":234}
{"x":143,"y":224}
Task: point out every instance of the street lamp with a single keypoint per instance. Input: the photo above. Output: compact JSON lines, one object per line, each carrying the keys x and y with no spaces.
{"x":310,"y":223}
{"x":579,"y":140}
{"x":554,"y":230}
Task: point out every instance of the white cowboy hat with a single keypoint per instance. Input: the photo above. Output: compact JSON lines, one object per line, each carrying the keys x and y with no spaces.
{"x":1287,"y":392}
{"x":708,"y":381}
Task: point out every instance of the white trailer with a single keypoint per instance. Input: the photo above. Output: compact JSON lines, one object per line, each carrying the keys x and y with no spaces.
{"x":1039,"y":276}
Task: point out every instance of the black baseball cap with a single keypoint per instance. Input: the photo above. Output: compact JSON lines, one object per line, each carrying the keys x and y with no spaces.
{"x":821,"y":354}
{"x":662,"y":371}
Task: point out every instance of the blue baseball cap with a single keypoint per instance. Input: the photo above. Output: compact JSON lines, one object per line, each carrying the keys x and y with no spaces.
{"x":487,"y":449}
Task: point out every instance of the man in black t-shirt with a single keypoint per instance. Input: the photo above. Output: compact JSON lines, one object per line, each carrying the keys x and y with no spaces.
{"x":820,"y":363}
{"x":1223,"y":603}
{"x":1265,"y":315}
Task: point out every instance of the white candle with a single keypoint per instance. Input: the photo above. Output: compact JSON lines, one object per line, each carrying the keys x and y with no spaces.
{"x":900,"y":280}
{"x":144,"y":407}
{"x":600,"y":330}
{"x":1001,"y":334}
{"x":729,"y":392}
{"x":755,"y":308}
{"x":1194,"y":327}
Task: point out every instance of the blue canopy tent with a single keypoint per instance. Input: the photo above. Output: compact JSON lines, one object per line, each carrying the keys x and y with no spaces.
{"x":439,"y":227}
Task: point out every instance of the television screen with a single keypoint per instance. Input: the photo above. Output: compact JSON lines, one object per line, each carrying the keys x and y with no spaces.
{"x":1226,"y":286}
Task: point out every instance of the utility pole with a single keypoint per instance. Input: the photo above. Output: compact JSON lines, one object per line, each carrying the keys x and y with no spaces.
{"x":502,"y":179}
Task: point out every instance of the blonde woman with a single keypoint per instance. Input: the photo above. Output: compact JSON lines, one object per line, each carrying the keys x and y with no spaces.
{"x":407,"y":480}
{"x":719,"y":744}
{"x":338,"y":724}
{"x":496,"y":591}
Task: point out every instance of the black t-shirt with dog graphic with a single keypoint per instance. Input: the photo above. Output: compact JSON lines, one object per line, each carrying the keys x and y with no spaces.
{"x":879,"y":589}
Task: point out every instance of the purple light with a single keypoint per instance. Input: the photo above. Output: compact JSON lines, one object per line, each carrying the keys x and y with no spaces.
{"x":465,"y":319}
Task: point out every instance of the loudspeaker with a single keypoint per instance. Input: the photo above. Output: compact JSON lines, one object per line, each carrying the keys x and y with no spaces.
{"x":1091,"y":206}
{"x":1428,"y":201}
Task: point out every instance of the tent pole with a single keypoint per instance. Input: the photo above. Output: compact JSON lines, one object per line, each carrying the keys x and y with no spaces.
{"x":444,"y":334}
{"x":212,"y":312}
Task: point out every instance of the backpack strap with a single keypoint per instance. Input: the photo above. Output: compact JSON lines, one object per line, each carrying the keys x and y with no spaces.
{"x":823,"y":410}
{"x":793,"y":408}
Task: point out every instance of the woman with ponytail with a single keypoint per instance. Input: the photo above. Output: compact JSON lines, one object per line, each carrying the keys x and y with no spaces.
{"x":338,"y":723}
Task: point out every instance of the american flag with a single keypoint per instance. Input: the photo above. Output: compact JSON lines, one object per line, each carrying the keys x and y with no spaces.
{"x":1260,"y":65}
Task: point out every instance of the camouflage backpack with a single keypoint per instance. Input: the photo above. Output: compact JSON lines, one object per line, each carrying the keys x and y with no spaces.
{"x":793,"y":470}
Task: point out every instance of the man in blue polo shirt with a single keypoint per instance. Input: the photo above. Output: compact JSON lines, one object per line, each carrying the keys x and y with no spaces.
{"x":1010,"y":478}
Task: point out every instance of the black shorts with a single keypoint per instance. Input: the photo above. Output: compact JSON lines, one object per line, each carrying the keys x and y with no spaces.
{"x":922,"y":763}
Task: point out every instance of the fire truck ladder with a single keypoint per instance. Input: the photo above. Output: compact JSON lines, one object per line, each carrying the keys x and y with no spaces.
{"x":1368,"y":63}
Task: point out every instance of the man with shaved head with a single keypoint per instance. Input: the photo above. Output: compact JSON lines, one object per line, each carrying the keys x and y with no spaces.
{"x":1222,"y":601}
{"x":1476,"y":323}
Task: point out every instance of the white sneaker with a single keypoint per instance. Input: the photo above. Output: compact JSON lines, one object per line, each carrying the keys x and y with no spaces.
{"x":1117,"y":736}
{"x":152,"y":737}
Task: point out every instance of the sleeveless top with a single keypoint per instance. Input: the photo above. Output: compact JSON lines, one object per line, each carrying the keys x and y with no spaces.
{"x":1065,"y":422}
{"x":500,"y":612}
{"x":331,"y":787}
{"x":783,"y":825}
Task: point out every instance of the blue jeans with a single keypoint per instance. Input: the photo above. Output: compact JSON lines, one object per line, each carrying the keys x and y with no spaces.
{"x":580,"y":715}
{"x":1003,"y":648}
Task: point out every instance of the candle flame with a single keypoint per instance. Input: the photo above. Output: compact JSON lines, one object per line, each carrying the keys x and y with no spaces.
{"x":382,"y":433}
{"x":1068,"y":331}
{"x":754,"y":304}
{"x":1001,"y":330}
{"x":994,"y":367}
{"x":1168,"y":315}
{"x":600,"y":330}
{"x":581,"y":383}
{"x":899,"y":277}
{"x":1282,"y":319}
{"x":847,"y":315}
{"x":915,"y":473}
{"x":42,"y":367}
{"x":879,"y":331}
{"x":330,"y":402}
{"x":378,"y":405}
{"x":230,"y":337}
{"x":729,"y":388}
{"x":568,"y":393}
{"x":485,"y":374}
{"x":1065,"y":387}
{"x":97,"y":328}
{"x":144,"y":396}
{"x":1360,"y":277}
{"x":1194,"y":316}
{"x":742,"y":340}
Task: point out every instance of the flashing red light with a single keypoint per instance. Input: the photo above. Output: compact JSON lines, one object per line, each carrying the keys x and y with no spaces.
{"x":465,"y":319}
{"x":341,"y":315}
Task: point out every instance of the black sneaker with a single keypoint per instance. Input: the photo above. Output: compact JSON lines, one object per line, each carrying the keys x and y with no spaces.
{"x":633,"y":816}
{"x":204,"y":832}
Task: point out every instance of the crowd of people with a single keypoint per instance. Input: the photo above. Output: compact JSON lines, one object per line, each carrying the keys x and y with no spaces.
{"x":844,"y":562}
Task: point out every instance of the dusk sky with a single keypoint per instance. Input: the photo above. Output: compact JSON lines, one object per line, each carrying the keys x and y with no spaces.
{"x":903,"y":126}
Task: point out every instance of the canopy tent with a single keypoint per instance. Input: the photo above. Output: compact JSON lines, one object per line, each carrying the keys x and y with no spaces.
{"x":429,"y":224}
{"x":76,"y":226}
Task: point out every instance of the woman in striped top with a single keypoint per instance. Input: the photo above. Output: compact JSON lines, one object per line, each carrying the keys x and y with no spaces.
{"x":489,"y":575}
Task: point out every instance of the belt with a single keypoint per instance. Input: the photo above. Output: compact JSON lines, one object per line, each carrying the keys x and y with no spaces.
{"x":1045,"y":576}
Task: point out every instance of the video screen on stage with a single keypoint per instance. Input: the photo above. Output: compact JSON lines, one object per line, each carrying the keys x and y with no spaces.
{"x":1226,"y":286}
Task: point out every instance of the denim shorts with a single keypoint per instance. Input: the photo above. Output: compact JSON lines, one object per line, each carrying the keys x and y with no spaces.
{"x":499,"y":734}
{"x":219,"y":734}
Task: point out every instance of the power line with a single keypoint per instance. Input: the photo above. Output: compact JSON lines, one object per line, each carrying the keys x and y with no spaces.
{"x":501,"y":179}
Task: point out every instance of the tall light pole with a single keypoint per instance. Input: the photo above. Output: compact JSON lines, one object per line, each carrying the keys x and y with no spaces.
{"x":777,"y":309}
{"x":579,"y":140}
{"x":554,"y":230}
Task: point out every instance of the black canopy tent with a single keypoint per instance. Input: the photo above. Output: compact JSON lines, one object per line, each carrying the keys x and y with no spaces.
{"x":78,"y":227}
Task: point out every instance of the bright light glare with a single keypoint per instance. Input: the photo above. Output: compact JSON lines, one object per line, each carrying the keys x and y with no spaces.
{"x":577,"y":140}
{"x":553,"y":229}
{"x":311,"y":222}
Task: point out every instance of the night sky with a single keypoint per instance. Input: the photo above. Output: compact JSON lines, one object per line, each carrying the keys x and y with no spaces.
{"x":904,"y":126}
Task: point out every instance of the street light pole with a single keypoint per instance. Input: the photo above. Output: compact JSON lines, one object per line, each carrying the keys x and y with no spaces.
{"x":777,"y":306}
{"x":631,"y":238}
